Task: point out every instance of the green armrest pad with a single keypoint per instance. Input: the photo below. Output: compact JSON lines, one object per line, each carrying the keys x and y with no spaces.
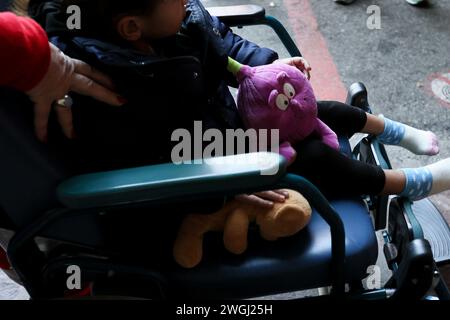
{"x":224,"y":176}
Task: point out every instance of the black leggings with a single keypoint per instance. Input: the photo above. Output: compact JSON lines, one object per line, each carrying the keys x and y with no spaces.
{"x":334,"y":173}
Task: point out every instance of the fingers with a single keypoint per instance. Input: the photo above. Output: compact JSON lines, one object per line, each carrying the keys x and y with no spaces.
{"x":283,"y":192}
{"x":91,"y":73}
{"x":265,"y":199}
{"x":303,"y":65}
{"x":308,"y":68}
{"x":85,"y":86}
{"x":255,"y":200}
{"x":306,"y":64}
{"x":272,"y":196}
{"x":300,"y":63}
{"x":289,"y":61}
{"x":41,"y":114}
{"x":308,"y":74}
{"x":64,"y":75}
{"x":65,"y":120}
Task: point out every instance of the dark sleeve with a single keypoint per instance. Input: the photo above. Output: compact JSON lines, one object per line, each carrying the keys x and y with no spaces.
{"x":242,"y":50}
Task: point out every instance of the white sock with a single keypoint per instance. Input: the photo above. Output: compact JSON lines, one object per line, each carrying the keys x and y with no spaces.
{"x":426,"y":181}
{"x":417,"y":141}
{"x":441,"y":176}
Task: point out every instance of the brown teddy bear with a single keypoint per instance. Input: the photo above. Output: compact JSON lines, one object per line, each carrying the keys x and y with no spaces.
{"x":283,"y":220}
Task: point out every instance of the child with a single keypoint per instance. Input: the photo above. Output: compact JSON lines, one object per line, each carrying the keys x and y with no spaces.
{"x":178,"y":27}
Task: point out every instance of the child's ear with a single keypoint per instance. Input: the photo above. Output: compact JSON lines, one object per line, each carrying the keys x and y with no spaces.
{"x":129,"y":28}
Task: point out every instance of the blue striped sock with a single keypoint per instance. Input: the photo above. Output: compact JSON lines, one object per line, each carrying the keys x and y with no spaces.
{"x":419,"y":183}
{"x":393,"y":133}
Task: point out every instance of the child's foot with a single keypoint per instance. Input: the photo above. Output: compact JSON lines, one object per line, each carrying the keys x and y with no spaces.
{"x":417,"y":141}
{"x":426,"y":181}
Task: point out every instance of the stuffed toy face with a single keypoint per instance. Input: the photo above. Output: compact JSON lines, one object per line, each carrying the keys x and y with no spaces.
{"x":277,"y":96}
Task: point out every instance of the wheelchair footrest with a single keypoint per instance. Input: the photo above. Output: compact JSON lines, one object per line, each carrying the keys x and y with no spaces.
{"x":435,"y":229}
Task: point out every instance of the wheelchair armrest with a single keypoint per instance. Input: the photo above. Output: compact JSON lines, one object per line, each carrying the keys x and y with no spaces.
{"x":239,"y":15}
{"x":218,"y":176}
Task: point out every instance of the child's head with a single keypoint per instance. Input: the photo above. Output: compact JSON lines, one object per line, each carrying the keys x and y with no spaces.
{"x":132,"y":20}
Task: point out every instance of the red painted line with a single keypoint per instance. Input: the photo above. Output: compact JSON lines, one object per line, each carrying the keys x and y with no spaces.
{"x":429,"y":90}
{"x":442,"y":78}
{"x":325,"y":77}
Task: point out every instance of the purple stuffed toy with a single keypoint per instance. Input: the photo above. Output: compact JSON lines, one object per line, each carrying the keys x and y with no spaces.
{"x":279,"y":96}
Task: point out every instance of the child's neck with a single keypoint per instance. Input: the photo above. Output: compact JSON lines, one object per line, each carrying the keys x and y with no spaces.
{"x":142,"y":46}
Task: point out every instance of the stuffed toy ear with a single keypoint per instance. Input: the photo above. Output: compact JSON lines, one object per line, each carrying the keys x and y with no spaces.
{"x":282,"y":77}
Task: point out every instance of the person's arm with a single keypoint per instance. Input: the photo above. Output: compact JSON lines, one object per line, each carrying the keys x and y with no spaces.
{"x":24,"y":52}
{"x":242,"y":50}
{"x":251,"y":54}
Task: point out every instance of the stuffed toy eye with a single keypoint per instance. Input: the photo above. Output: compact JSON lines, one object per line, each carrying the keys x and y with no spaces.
{"x":282,"y":102}
{"x":289,"y":90}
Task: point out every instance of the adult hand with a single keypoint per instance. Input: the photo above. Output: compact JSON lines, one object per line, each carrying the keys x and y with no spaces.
{"x":66,"y":74}
{"x":300,"y":63}
{"x":265,"y":199}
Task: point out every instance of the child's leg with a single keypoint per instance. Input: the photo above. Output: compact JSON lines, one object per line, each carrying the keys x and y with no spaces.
{"x":338,"y":175}
{"x":342,"y":118}
{"x":396,"y":133}
{"x":347,"y":120}
{"x":420,"y":182}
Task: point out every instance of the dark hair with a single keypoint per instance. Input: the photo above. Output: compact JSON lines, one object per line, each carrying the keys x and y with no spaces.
{"x":19,"y":7}
{"x":101,"y":16}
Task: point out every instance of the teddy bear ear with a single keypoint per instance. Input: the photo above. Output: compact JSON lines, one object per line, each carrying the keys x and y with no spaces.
{"x":282,"y":77}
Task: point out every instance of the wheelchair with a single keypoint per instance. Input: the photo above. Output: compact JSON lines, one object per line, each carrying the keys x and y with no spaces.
{"x":55,"y":220}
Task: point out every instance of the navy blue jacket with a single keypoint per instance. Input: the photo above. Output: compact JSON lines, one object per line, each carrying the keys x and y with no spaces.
{"x":186,"y":81}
